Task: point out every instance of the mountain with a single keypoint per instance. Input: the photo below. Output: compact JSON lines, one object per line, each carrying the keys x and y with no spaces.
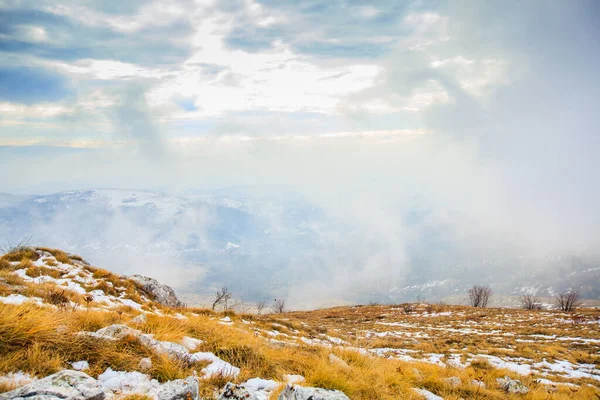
{"x":271,"y":242}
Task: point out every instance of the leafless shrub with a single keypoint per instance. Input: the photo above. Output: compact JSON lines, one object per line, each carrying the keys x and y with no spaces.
{"x":22,"y":245}
{"x":57,"y":298}
{"x":567,"y":301}
{"x":260,"y":306}
{"x":278,"y":306}
{"x":223,"y":296}
{"x":530,"y":302}
{"x":408,"y":308}
{"x":479,"y":296}
{"x":88,"y":298}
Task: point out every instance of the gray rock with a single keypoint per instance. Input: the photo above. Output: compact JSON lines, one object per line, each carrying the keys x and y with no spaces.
{"x":162,"y":294}
{"x":180,"y":389}
{"x":238,"y":392}
{"x":173,"y":350}
{"x":453,"y":381}
{"x":115,"y":332}
{"x":292,"y":392}
{"x":335,"y":360}
{"x":512,"y":386}
{"x":64,"y":385}
{"x":145,"y":364}
{"x":140,"y":319}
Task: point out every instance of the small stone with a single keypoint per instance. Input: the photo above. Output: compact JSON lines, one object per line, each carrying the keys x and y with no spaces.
{"x":145,"y":364}
{"x":512,"y":386}
{"x":453,"y":381}
{"x":335,"y":360}
{"x":179,"y":389}
{"x":292,"y":392}
{"x":477,"y":383}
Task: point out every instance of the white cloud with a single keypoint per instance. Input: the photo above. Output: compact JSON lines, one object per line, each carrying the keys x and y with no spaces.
{"x":274,"y":80}
{"x":155,"y":14}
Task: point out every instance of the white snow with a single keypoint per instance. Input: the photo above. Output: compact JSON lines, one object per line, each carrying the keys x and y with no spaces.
{"x":568,"y":370}
{"x":190,"y":342}
{"x":19,"y":299}
{"x":127,"y":382}
{"x":216,"y":367}
{"x":261,"y":384}
{"x":80,"y":365}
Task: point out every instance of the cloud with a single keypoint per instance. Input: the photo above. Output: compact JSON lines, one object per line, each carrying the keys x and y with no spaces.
{"x":480,"y":116}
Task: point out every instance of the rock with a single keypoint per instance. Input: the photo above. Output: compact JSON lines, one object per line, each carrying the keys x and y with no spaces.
{"x":512,"y":386}
{"x":453,"y":381}
{"x":162,"y":294}
{"x":240,"y":392}
{"x":140,"y":319}
{"x":171,"y":349}
{"x":180,"y":389}
{"x":113,"y":332}
{"x":335,"y":360}
{"x":477,"y":383}
{"x":426,"y":394}
{"x":145,"y":364}
{"x":292,"y":392}
{"x":64,"y":385}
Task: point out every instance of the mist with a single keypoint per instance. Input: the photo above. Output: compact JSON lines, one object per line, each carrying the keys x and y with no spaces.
{"x":473,"y":148}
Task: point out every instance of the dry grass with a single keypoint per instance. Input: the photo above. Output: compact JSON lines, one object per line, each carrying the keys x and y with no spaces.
{"x":43,"y":340}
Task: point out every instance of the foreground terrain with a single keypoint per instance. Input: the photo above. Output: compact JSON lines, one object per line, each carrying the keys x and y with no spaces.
{"x":57,"y":312}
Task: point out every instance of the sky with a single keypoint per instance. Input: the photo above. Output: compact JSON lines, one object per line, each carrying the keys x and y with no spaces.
{"x":483,"y":109}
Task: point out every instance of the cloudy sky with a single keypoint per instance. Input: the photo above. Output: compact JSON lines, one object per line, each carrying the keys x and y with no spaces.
{"x":488,"y":109}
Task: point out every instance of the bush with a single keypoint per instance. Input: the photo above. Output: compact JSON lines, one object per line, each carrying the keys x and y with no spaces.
{"x":567,"y":301}
{"x":479,"y":296}
{"x":530,"y":302}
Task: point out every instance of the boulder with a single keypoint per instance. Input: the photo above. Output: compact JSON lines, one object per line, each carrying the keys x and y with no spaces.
{"x":64,"y":385}
{"x":241,"y":392}
{"x":162,"y":294}
{"x":512,"y":386}
{"x":179,"y":389}
{"x":293,"y":392}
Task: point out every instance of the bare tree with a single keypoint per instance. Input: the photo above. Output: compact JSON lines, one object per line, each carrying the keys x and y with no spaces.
{"x":479,"y":296}
{"x":530,"y":302}
{"x":260,"y":306}
{"x":567,"y":301}
{"x":278,"y":306}
{"x":223,"y":296}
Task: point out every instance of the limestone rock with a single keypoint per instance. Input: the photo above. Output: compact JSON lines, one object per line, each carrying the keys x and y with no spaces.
{"x":453,"y":381}
{"x":292,"y":392}
{"x":335,"y":360}
{"x":162,"y":294}
{"x":64,"y":385}
{"x":179,"y":389}
{"x":145,"y":364}
{"x":512,"y":386}
{"x":240,"y":392}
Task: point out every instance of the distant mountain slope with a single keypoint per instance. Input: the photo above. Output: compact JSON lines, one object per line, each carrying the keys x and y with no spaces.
{"x":271,"y":242}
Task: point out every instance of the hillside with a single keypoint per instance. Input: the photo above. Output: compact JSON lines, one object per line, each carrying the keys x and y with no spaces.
{"x":116,"y":336}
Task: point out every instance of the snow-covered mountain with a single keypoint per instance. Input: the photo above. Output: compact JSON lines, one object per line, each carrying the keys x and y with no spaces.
{"x":267,"y":242}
